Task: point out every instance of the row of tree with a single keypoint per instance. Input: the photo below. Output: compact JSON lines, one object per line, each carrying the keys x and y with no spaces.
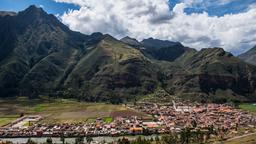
{"x":186,"y":136}
{"x":78,"y":140}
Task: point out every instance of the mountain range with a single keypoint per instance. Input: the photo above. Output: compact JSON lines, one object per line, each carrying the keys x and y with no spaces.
{"x":41,"y":56}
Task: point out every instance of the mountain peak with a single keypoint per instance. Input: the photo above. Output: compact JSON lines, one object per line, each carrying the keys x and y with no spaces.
{"x":33,"y":11}
{"x":216,"y":51}
{"x":36,"y":16}
{"x":131,"y":41}
{"x":34,"y":8}
{"x":108,"y":37}
{"x":128,"y":38}
{"x":156,"y":43}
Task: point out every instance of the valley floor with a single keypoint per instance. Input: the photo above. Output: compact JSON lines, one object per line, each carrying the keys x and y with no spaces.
{"x":23,"y":117}
{"x":59,"y":110}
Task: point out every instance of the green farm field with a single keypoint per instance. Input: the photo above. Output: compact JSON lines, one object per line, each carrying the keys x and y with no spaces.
{"x":248,"y":107}
{"x":60,"y":110}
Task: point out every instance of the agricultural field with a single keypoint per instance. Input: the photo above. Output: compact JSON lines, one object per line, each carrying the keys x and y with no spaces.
{"x":250,"y":139}
{"x":248,"y":107}
{"x":61,"y":110}
{"x":5,"y":120}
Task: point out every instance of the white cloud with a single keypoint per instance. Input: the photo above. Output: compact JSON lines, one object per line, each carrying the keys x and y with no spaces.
{"x":153,"y":18}
{"x":41,"y":6}
{"x":223,"y":2}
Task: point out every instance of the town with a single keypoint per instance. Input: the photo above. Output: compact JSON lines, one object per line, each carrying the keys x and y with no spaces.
{"x":163,"y":119}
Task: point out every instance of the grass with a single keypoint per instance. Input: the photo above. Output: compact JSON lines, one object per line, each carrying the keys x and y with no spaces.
{"x":5,"y":121}
{"x":108,"y":119}
{"x":91,"y":120}
{"x":248,"y":107}
{"x":40,"y":107}
{"x":120,"y":51}
{"x":27,"y":124}
{"x":57,"y":110}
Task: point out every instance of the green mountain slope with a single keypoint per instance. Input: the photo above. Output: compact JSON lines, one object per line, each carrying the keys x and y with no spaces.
{"x":113,"y":69}
{"x":36,"y":51}
{"x":41,"y":56}
{"x":212,"y":74}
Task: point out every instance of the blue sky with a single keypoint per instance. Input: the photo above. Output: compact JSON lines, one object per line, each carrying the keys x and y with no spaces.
{"x":212,"y":7}
{"x":49,"y":5}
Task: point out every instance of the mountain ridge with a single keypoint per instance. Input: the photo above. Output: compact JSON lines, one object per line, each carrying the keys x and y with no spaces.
{"x":249,"y":56}
{"x":42,"y":56}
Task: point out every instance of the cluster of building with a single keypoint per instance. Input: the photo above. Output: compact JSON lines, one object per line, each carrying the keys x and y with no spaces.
{"x":199,"y":116}
{"x":120,"y":126}
{"x":165,"y":118}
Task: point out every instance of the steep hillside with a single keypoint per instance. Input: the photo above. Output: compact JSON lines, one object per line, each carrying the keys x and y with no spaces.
{"x":113,"y":69}
{"x":41,"y":56}
{"x":211,"y":74}
{"x":36,"y":51}
{"x":163,"y":50}
{"x":249,"y":56}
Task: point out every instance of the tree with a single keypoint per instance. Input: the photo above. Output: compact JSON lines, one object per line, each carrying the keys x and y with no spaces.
{"x":185,"y":136}
{"x":49,"y":140}
{"x":21,"y":114}
{"x":199,"y":136}
{"x":170,"y":139}
{"x":211,"y":129}
{"x":194,"y":123}
{"x":157,"y":139}
{"x":8,"y":142}
{"x":89,"y":139}
{"x":62,"y":138}
{"x":30,"y":141}
{"x":79,"y":140}
{"x":141,"y":140}
{"x":151,"y":139}
{"x":123,"y":141}
{"x":146,"y":131}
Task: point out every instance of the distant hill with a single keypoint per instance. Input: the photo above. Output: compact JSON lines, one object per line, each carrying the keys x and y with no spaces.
{"x":132,"y":42}
{"x":158,"y":49}
{"x":7,"y":13}
{"x":249,"y":56}
{"x":41,"y":56}
{"x":212,"y":72}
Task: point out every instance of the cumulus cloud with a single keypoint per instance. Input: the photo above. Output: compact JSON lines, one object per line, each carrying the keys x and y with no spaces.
{"x":154,"y":18}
